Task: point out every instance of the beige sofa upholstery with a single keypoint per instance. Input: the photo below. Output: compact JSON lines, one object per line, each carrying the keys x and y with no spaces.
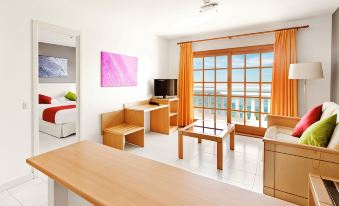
{"x":287,"y":163}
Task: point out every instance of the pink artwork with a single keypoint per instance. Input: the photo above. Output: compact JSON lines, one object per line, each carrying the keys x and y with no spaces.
{"x":118,"y":70}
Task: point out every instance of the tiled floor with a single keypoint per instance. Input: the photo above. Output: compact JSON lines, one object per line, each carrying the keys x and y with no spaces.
{"x":242,"y":167}
{"x":48,"y":143}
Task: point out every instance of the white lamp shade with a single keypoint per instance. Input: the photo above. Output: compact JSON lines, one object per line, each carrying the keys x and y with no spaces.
{"x":310,"y":70}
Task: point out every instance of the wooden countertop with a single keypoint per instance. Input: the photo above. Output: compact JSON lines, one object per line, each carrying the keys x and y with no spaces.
{"x":107,"y":176}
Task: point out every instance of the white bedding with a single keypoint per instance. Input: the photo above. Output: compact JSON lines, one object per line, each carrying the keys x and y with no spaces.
{"x":63,"y":116}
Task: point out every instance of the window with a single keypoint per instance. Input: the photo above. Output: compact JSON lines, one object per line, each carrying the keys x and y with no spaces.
{"x":234,"y":85}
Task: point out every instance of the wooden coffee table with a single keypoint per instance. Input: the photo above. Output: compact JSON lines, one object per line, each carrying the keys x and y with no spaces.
{"x":209,"y":130}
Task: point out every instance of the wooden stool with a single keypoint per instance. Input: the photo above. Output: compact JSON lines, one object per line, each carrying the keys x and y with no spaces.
{"x":116,"y":131}
{"x":117,"y":135}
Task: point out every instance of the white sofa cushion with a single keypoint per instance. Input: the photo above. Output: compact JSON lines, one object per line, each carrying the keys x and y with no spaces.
{"x":334,"y":142}
{"x":329,"y":109}
{"x":281,"y":133}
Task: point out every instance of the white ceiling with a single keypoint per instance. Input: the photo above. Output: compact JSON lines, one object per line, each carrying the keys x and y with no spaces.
{"x":175,"y":18}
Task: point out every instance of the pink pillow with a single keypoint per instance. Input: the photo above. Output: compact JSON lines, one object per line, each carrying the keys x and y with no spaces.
{"x":311,"y":117}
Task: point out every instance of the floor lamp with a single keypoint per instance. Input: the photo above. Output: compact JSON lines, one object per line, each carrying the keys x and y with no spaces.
{"x":305,"y":71}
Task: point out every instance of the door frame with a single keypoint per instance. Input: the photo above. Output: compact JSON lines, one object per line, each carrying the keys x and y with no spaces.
{"x":36,"y":26}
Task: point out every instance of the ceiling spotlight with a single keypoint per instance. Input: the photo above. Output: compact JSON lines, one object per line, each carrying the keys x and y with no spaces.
{"x":209,"y":6}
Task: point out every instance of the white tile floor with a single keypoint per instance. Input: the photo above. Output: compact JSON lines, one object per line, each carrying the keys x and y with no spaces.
{"x":48,"y":142}
{"x":242,"y":167}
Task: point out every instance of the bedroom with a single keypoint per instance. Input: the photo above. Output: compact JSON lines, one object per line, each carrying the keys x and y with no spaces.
{"x":57,"y":99}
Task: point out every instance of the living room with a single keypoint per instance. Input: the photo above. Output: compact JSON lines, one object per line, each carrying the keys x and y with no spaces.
{"x":225,"y":74}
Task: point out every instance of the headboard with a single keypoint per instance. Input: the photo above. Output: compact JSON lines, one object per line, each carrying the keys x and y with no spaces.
{"x":56,"y":90}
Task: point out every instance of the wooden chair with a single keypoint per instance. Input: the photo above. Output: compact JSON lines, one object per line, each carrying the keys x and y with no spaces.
{"x":116,"y":131}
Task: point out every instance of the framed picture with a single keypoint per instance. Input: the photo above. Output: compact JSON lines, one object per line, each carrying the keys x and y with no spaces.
{"x":118,"y":70}
{"x":52,"y":67}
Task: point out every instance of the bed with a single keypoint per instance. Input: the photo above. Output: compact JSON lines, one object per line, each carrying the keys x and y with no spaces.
{"x":58,"y":119}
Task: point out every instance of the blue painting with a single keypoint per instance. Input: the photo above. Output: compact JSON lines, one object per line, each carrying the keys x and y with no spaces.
{"x":52,"y":67}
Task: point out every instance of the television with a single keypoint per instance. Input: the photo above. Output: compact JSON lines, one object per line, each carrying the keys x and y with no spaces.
{"x":165,"y":87}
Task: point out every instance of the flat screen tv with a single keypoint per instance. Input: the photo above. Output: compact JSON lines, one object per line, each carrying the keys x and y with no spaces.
{"x":165,"y":87}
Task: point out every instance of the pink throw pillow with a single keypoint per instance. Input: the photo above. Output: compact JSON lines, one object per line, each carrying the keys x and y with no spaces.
{"x":311,"y":117}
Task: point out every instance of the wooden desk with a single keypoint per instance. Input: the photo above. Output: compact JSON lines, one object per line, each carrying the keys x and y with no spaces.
{"x":146,"y":107}
{"x":160,"y":121}
{"x":106,"y":176}
{"x":318,"y":195}
{"x":128,"y":125}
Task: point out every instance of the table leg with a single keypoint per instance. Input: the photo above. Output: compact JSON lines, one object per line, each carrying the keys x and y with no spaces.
{"x":58,"y":195}
{"x":199,"y":140}
{"x":232,"y":134}
{"x":220,"y":155}
{"x":180,"y":146}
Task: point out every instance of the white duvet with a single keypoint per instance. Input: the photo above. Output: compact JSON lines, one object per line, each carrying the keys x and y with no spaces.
{"x":62,"y":116}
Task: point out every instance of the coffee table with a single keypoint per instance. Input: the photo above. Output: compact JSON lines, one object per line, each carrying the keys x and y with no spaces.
{"x":215,"y":131}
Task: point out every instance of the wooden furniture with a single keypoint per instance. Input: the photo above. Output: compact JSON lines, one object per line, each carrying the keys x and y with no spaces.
{"x":116,"y":130}
{"x":287,"y":163}
{"x":317,"y":193}
{"x":88,"y":172}
{"x":173,"y":115}
{"x":135,"y":114}
{"x":214,"y":131}
{"x":128,"y":124}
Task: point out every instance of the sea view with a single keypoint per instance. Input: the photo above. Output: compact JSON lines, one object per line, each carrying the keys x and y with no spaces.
{"x":210,"y":82}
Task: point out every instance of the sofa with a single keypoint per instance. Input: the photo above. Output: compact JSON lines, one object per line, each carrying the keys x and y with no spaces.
{"x":287,"y":163}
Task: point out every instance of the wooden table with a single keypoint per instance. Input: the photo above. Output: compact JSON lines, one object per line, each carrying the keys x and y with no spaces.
{"x":209,"y":130}
{"x":102,"y":175}
{"x":318,"y":195}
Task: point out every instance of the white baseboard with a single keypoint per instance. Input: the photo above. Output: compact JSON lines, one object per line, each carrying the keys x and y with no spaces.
{"x":16,"y":182}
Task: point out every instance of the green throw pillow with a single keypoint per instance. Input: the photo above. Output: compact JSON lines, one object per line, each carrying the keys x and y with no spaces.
{"x":71,"y":96}
{"x":319,"y":133}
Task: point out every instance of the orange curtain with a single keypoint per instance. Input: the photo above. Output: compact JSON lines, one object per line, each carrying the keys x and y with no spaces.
{"x":185,"y":113}
{"x":284,"y":91}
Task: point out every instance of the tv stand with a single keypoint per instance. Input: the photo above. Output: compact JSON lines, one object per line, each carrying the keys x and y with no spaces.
{"x":173,"y":103}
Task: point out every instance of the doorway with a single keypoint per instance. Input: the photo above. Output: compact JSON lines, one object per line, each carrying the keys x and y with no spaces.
{"x":56,"y":87}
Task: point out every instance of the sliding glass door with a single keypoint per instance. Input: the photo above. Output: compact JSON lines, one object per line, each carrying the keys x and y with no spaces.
{"x":234,"y":85}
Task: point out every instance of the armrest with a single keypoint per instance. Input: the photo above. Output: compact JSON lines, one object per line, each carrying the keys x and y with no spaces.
{"x":111,"y":119}
{"x":282,"y":121}
{"x":291,"y":146}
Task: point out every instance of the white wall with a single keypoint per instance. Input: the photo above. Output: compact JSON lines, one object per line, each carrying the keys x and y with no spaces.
{"x":335,"y":58}
{"x":313,"y":44}
{"x":105,"y":25}
{"x":56,"y":90}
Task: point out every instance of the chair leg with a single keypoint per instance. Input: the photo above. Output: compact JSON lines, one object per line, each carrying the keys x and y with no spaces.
{"x":114,"y":140}
{"x":136,"y":138}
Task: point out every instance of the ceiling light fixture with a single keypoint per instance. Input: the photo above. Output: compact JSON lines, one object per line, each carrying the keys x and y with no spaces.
{"x":209,"y":7}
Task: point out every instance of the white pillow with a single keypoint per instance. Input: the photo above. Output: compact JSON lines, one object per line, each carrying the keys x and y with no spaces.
{"x":64,"y":100}
{"x":334,"y":142}
{"x":54,"y":101}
